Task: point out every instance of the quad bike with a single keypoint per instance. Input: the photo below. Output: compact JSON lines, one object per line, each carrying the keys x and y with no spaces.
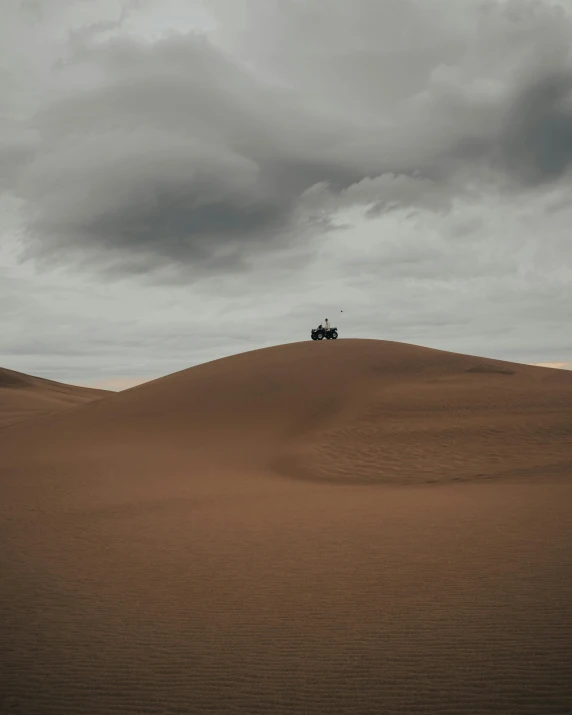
{"x":320,"y":333}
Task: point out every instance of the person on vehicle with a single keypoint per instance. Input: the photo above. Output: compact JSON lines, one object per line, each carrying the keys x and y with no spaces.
{"x":327,"y":325}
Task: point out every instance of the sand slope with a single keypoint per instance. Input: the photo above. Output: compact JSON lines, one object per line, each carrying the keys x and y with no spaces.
{"x":285,"y":531}
{"x":24,"y":397}
{"x":354,"y":410}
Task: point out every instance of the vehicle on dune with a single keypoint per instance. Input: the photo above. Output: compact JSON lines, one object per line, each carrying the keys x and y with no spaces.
{"x":320,"y":333}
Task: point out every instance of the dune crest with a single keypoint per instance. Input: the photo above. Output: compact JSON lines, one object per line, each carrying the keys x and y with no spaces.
{"x":354,"y":410}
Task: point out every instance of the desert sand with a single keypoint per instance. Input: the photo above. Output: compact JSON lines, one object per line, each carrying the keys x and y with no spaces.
{"x":23,"y":397}
{"x":355,"y":526}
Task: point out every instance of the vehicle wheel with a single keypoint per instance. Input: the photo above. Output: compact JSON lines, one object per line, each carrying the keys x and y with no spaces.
{"x":320,"y":336}
{"x":334,"y":335}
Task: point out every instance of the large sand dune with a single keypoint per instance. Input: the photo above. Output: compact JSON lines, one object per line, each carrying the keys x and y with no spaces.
{"x":285,"y":531}
{"x":24,"y":397}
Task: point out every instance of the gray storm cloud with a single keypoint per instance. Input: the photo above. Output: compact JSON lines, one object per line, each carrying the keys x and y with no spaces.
{"x":536,"y":145}
{"x":179,"y":152}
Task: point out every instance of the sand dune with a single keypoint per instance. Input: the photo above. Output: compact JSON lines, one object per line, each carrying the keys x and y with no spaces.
{"x":285,"y":531}
{"x":23,"y":397}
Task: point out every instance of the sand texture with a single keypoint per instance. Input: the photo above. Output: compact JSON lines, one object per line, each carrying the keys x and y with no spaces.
{"x":355,"y":526}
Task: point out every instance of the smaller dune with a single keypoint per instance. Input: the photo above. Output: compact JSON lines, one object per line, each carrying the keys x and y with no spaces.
{"x":24,"y":397}
{"x":11,"y":379}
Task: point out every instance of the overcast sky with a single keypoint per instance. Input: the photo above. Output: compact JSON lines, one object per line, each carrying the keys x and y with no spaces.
{"x":181,"y":180}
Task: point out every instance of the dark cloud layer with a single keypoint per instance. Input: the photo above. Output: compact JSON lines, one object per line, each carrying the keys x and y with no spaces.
{"x":536,"y":143}
{"x":177,"y":153}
